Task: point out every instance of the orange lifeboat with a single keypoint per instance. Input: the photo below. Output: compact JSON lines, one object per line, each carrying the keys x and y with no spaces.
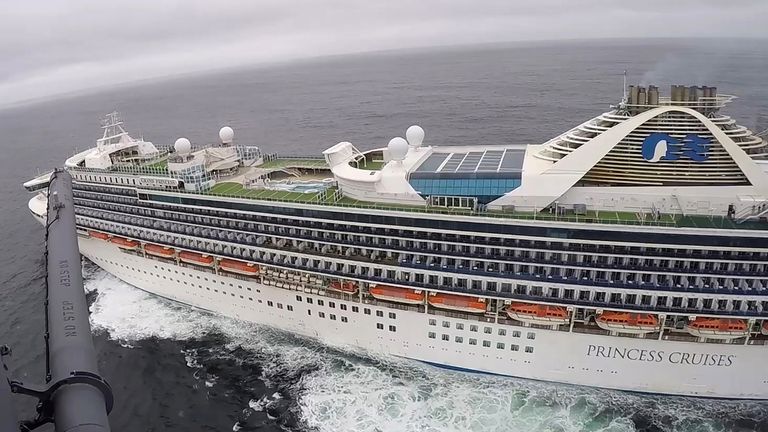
{"x":457,"y":303}
{"x":345,"y":287}
{"x":627,"y":322}
{"x":159,"y":251}
{"x":398,"y":295}
{"x":239,"y":267}
{"x":98,"y":235}
{"x":718,"y":328}
{"x":124,"y":243}
{"x":537,"y":313}
{"x":196,"y":258}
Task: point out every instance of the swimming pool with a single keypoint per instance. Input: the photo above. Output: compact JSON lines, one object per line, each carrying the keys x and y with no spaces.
{"x":306,"y":186}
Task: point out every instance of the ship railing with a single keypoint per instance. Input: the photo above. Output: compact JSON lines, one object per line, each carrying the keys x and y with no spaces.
{"x":476,"y":292}
{"x":393,"y":305}
{"x":461,"y":315}
{"x":549,"y":278}
{"x":193,"y":267}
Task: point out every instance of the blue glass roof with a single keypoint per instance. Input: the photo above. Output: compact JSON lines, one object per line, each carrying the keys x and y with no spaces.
{"x":488,"y":161}
{"x":485,"y":175}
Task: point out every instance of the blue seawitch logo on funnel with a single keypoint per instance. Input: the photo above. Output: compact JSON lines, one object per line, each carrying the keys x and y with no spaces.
{"x":660,"y":146}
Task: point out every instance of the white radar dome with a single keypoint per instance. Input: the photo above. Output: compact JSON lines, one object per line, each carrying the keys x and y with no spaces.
{"x":415,"y":135}
{"x":182,"y":146}
{"x":398,"y":148}
{"x":226,"y":134}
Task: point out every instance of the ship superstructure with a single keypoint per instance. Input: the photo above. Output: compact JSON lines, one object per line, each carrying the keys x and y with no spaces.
{"x":629,"y":253}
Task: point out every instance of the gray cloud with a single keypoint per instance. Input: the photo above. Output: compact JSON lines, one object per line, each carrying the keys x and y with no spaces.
{"x":54,"y":46}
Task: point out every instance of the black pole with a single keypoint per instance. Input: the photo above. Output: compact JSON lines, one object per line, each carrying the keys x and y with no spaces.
{"x":79,"y":405}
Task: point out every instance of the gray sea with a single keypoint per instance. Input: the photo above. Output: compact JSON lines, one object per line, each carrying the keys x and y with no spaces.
{"x":177,"y":369}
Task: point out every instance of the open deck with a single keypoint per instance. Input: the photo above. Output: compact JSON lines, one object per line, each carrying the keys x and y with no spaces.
{"x":333,"y":197}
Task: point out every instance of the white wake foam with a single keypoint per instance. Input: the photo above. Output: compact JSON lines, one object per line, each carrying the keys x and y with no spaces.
{"x":345,"y":392}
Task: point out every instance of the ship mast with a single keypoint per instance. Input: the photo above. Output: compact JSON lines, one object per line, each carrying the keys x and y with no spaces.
{"x":113,"y":129}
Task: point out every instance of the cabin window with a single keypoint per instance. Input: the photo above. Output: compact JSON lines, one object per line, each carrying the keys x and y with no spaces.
{"x":459,"y":339}
{"x":279,"y":305}
{"x":459,"y":326}
{"x":392,"y":328}
{"x":514,"y":347}
{"x":380,"y":326}
{"x":321,"y":314}
{"x":298,"y":297}
{"x":269,"y":302}
{"x":531,"y":335}
{"x":379,"y":313}
{"x":332,"y":304}
{"x":320,"y":302}
{"x":473,"y":328}
{"x":432,"y":322}
{"x":486,"y":343}
{"x":343,"y":306}
{"x":309,"y":300}
{"x":446,"y":324}
{"x":355,"y":309}
{"x":488,"y":330}
{"x":392,"y":315}
{"x":367,"y":311}
{"x":472,"y":341}
{"x":529,"y":349}
{"x":502,"y":332}
{"x":290,"y":308}
{"x":516,"y":333}
{"x":500,"y":345}
{"x":432,"y":335}
{"x":446,"y":337}
{"x":344,"y":319}
{"x":333,"y":317}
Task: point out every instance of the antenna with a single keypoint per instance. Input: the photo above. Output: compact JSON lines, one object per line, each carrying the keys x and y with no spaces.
{"x":624,"y":89}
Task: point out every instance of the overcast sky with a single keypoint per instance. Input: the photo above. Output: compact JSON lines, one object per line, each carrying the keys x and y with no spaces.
{"x":49,"y":47}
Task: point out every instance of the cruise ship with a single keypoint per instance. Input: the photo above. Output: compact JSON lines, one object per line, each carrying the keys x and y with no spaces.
{"x":628,"y":253}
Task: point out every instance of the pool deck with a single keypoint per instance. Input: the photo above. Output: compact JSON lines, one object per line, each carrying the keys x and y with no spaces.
{"x":329,"y":198}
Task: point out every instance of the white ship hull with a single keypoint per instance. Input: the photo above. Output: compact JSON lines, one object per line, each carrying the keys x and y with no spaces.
{"x":623,"y":363}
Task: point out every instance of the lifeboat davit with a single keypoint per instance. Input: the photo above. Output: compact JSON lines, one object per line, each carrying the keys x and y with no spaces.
{"x":98,"y":235}
{"x":159,"y":251}
{"x":196,"y":258}
{"x":718,"y":328}
{"x":345,"y":287}
{"x":457,"y":303}
{"x":537,"y":313}
{"x":239,"y":267}
{"x":627,"y":322}
{"x":398,"y":295}
{"x":124,"y":243}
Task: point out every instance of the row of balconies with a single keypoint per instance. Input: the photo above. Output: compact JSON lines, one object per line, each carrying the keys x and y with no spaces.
{"x":492,"y":248}
{"x":652,"y":302}
{"x":506,"y":260}
{"x":634,"y":281}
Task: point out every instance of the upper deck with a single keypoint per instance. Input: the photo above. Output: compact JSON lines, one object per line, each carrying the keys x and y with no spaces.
{"x":652,"y":161}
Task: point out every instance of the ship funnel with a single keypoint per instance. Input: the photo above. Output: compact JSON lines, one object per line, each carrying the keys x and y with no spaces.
{"x":653,"y":95}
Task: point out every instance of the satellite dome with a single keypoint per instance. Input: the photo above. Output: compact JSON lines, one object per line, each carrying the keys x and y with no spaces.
{"x":415,"y":135}
{"x":398,"y":148}
{"x":182,"y":146}
{"x":226,"y":134}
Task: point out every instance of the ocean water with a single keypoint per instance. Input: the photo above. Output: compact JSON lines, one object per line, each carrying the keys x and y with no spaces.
{"x":176,"y":368}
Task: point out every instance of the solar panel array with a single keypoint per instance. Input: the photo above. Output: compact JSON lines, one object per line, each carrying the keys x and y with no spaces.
{"x":474,"y":162}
